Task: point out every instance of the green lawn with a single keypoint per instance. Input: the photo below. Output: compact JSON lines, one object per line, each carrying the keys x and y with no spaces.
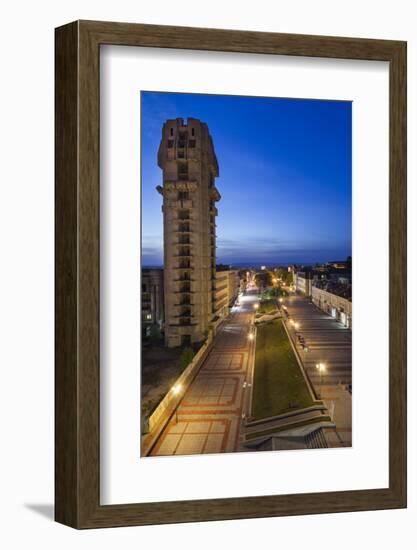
{"x":278,"y":385}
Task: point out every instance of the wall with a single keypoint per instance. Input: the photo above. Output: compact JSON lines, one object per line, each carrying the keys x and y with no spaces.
{"x":160,"y":416}
{"x":326,"y":301}
{"x":227,"y":289}
{"x":26,"y":218}
{"x":303,"y":284}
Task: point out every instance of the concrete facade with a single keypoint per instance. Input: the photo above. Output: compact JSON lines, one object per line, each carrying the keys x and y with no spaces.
{"x":336,"y":306}
{"x":227,"y":290}
{"x":189,"y":165}
{"x":303,"y":283}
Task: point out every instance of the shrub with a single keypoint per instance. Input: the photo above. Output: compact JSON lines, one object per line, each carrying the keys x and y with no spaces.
{"x":186,"y":357}
{"x":154,"y":334}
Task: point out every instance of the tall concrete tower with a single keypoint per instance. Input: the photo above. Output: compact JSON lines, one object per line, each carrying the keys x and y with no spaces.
{"x":189,"y":165}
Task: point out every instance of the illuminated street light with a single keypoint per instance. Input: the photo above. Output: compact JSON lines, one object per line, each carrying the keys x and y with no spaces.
{"x":281,"y":300}
{"x":250,"y":336}
{"x":176,"y":389}
{"x":256,"y":306}
{"x":296,"y":326}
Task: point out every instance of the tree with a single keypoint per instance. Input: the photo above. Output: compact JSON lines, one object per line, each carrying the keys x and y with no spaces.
{"x":186,"y":357}
{"x":275,"y":292}
{"x":154,"y":334}
{"x":263,"y":279}
{"x":284,"y":275}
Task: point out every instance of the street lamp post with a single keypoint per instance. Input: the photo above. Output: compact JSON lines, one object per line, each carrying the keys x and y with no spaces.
{"x":321,"y":367}
{"x":176,"y":390}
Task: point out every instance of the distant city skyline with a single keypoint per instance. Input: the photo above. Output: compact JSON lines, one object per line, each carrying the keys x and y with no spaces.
{"x":285,"y":176}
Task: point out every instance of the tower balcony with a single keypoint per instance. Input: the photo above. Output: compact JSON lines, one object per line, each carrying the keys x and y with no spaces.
{"x":185,"y":315}
{"x":183,"y":255}
{"x":184,"y":291}
{"x":184,"y":226}
{"x":179,"y":204}
{"x":183,"y":303}
{"x":187,"y":231}
{"x":184,"y":267}
{"x":183,"y":241}
{"x":184,"y":323}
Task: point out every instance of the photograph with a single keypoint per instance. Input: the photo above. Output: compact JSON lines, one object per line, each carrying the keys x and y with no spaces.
{"x":208,"y":231}
{"x":246,"y":275}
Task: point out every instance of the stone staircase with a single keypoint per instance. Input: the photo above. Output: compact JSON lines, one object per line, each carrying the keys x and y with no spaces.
{"x":316,"y":439}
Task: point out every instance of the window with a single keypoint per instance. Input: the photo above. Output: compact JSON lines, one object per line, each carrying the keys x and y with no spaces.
{"x":191,"y":143}
{"x":181,"y":139}
{"x":183,"y":195}
{"x":144,"y":287}
{"x":192,"y":132}
{"x":184,"y":227}
{"x":171,"y":131}
{"x":170,"y":143}
{"x":183,"y":215}
{"x":183,"y":171}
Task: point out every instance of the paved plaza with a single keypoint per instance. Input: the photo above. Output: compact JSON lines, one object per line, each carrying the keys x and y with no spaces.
{"x":209,"y":417}
{"x":328,"y":342}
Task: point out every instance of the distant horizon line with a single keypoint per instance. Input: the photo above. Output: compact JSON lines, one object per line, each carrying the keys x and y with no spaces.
{"x":260,"y":263}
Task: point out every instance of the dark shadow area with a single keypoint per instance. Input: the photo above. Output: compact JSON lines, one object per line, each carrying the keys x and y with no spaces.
{"x":45,"y":510}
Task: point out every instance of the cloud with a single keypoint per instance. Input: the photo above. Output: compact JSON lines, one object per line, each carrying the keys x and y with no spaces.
{"x":256,"y":250}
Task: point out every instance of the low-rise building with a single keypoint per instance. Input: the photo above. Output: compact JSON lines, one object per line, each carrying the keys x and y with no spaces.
{"x":227,"y":287}
{"x":341,"y":264}
{"x":227,"y":290}
{"x":303,"y":282}
{"x":339,"y":307}
{"x":152,"y":301}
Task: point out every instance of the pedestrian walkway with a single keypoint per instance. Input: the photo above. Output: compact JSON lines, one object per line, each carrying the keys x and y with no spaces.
{"x":330,"y":343}
{"x":327,"y":340}
{"x":209,"y":417}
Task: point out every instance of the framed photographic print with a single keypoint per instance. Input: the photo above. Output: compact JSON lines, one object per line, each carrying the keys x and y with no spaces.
{"x":230,"y":274}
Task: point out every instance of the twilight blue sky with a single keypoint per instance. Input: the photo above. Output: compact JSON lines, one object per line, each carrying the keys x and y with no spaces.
{"x":285,"y":176}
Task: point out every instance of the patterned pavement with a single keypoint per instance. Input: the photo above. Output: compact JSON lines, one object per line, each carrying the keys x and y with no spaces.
{"x":209,"y":417}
